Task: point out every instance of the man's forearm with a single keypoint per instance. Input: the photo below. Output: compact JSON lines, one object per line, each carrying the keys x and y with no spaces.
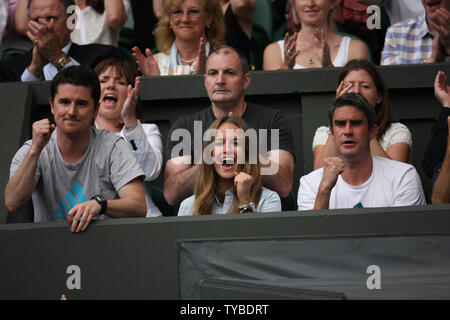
{"x":180,"y":185}
{"x":21,"y":185}
{"x":322,"y":199}
{"x":126,"y":208}
{"x":281,"y":182}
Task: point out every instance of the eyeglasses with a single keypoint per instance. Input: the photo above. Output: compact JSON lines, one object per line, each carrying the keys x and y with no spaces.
{"x":193,"y":13}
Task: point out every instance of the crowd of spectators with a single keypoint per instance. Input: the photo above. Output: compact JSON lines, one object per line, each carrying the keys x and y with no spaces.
{"x":361,"y":148}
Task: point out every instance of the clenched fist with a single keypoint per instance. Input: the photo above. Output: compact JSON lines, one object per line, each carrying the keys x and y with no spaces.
{"x":334,"y":166}
{"x":243,"y":183}
{"x":42,"y":132}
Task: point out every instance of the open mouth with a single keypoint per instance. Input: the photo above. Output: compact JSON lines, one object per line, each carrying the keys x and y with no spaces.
{"x":228,"y":163}
{"x":110,"y":99}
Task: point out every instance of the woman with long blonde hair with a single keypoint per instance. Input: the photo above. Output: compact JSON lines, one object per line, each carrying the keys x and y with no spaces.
{"x":187,"y":31}
{"x":229,"y":179}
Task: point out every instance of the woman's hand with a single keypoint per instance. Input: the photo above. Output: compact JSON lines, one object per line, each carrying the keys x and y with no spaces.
{"x":290,"y":52}
{"x":147,"y":64}
{"x":128,"y":112}
{"x":243,"y":183}
{"x":322,"y":47}
{"x":342,"y":89}
{"x":200,"y":67}
{"x":441,"y":89}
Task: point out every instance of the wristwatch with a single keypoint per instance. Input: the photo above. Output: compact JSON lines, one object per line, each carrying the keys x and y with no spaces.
{"x":62,"y":62}
{"x":250,"y":207}
{"x":101,"y":201}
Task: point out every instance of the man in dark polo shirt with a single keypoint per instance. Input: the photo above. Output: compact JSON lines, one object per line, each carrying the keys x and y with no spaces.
{"x":226,"y":79}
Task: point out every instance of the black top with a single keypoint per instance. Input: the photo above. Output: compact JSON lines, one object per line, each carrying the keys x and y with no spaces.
{"x":435,"y":151}
{"x":257,"y":117}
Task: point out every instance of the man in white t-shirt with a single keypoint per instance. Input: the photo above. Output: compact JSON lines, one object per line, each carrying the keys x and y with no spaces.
{"x":355,"y":178}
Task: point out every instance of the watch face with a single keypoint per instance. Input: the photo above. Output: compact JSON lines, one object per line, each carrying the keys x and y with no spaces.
{"x":100,"y":198}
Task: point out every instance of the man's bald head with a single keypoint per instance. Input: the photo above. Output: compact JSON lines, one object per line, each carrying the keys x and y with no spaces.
{"x":226,"y":50}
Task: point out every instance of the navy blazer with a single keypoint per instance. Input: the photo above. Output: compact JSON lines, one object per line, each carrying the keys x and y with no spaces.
{"x":90,"y":55}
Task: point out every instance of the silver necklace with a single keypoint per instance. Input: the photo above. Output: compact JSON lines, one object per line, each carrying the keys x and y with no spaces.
{"x":189,"y":61}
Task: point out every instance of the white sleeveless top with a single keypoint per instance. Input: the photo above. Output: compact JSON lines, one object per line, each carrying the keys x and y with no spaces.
{"x":341,"y":57}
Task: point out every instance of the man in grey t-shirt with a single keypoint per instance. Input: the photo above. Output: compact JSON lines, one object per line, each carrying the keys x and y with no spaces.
{"x":75,"y":172}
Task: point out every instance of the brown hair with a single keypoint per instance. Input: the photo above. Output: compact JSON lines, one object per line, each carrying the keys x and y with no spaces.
{"x":384,"y":118}
{"x":164,"y":36}
{"x":205,"y":188}
{"x":126,"y":70}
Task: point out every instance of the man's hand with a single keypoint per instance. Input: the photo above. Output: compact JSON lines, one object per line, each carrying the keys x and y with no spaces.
{"x":45,"y":38}
{"x":82,"y":213}
{"x":437,"y":54}
{"x":334,"y":166}
{"x":243,"y":183}
{"x":440,"y":22}
{"x":441,"y":89}
{"x":41,"y":134}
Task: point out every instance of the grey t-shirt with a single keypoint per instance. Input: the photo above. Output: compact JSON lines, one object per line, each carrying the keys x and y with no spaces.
{"x":107,"y":166}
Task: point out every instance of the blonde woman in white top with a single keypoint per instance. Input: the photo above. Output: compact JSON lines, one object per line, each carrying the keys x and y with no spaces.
{"x":316,"y":45}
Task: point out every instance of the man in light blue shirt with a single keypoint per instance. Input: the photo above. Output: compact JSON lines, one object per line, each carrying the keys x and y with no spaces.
{"x":423,"y":39}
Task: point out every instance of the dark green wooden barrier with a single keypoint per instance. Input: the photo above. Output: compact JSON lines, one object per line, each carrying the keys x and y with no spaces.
{"x":139,"y":258}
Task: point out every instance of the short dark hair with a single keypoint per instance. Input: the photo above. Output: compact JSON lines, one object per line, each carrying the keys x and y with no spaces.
{"x":242,"y":57}
{"x":66,"y":4}
{"x":355,"y":100}
{"x":77,"y":76}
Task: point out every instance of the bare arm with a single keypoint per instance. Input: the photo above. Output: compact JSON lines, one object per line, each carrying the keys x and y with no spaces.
{"x":116,"y":16}
{"x":280,"y":169}
{"x":324,"y":151}
{"x":130,"y":204}
{"x":333,"y":167}
{"x":272,"y":57}
{"x":158,"y":8}
{"x":357,"y":50}
{"x":21,"y":16}
{"x":398,"y":151}
{"x":441,"y":188}
{"x":21,"y":185}
{"x":178,"y":180}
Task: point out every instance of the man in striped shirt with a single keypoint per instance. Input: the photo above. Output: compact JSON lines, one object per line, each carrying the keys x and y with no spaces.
{"x":424,"y":39}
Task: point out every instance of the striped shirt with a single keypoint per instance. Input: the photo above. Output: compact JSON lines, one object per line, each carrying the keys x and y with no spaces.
{"x":407,"y":42}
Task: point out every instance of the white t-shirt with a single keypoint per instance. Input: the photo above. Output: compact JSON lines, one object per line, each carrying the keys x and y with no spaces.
{"x":392,"y":183}
{"x":92,"y":27}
